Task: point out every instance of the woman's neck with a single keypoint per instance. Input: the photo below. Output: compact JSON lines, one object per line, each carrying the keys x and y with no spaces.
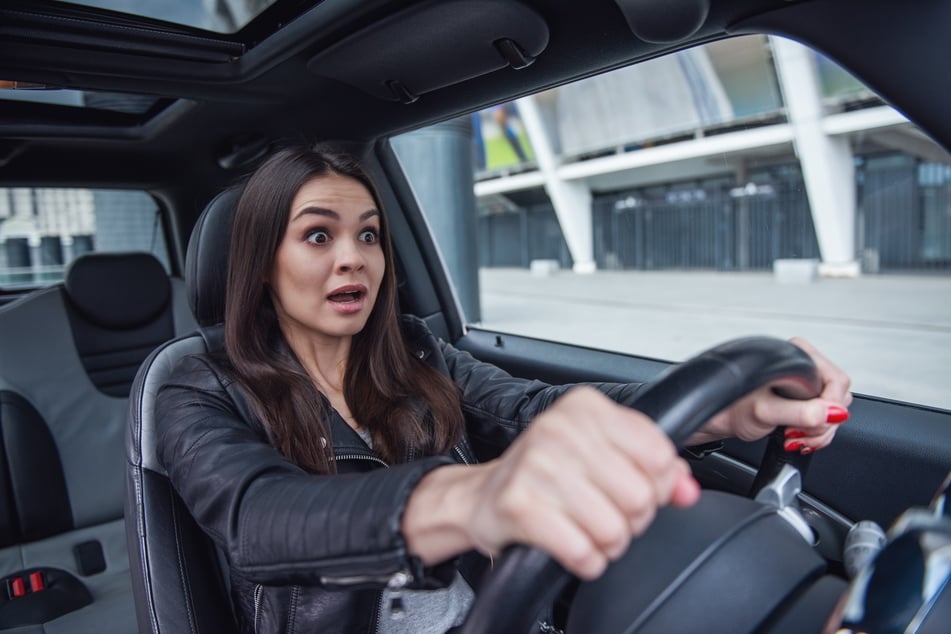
{"x":326,"y":364}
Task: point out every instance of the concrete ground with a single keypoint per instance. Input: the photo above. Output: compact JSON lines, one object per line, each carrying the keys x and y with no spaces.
{"x":891,"y":333}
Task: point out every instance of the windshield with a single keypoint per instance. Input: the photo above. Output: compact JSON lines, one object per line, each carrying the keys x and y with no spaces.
{"x":663,"y":208}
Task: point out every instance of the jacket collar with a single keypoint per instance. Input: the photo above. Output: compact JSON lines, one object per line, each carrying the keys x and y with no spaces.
{"x":419,"y":338}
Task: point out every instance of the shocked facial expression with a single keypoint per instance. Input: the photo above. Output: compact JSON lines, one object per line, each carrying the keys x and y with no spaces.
{"x":329,"y":266}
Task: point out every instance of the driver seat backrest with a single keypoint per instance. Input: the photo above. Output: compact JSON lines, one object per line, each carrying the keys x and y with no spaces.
{"x":178,"y":575}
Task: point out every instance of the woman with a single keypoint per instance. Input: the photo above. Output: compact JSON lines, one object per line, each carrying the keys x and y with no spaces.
{"x":277,"y":444}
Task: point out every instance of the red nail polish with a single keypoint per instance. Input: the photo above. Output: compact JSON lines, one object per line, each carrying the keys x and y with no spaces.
{"x":794,"y":446}
{"x":806,"y":451}
{"x":795,"y":433}
{"x":836,"y":414}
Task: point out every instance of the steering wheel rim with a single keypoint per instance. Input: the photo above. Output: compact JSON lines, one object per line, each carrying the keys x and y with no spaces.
{"x":683,"y":398}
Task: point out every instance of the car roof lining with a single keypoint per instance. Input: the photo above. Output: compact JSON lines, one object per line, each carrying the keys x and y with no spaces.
{"x":465,"y":39}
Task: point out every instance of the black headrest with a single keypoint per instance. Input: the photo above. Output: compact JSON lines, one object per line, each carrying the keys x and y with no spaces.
{"x":118,"y":290}
{"x":206,"y":261}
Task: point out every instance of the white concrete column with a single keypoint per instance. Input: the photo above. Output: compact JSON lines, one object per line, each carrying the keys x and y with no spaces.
{"x":827,"y":163}
{"x":571,"y":200}
{"x":36,"y":257}
{"x":67,"y":243}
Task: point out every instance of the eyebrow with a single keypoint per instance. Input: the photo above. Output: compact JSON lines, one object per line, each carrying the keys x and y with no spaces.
{"x":330,"y":213}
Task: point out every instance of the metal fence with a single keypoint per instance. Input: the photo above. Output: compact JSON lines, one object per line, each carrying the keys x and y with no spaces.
{"x":515,"y":237}
{"x":718,"y":227}
{"x":903,"y":222}
{"x":904,"y":214}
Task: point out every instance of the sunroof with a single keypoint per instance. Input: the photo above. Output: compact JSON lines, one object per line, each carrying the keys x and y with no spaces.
{"x":223,"y":16}
{"x":85,"y":99}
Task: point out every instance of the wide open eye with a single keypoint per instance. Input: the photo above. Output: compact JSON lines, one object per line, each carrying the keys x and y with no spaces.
{"x":318,"y":236}
{"x":369,"y":236}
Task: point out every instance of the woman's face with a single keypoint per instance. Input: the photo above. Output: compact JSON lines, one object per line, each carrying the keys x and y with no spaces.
{"x":329,"y":265}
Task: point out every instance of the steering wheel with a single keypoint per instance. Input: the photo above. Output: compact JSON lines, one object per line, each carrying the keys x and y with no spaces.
{"x":525,"y":579}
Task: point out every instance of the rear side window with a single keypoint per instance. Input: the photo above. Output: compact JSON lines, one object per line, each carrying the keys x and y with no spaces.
{"x":42,"y":230}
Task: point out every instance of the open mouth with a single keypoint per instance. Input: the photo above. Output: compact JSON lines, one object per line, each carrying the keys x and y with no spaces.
{"x":347,"y":297}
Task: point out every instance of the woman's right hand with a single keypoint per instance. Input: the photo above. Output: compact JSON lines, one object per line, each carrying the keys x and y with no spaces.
{"x":579,"y":483}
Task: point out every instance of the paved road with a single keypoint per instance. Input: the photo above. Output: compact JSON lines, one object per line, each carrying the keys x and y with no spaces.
{"x":892,"y":333}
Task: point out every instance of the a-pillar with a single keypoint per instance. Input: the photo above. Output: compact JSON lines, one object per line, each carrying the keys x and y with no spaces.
{"x":827,"y":162}
{"x":571,"y":199}
{"x":438,"y":162}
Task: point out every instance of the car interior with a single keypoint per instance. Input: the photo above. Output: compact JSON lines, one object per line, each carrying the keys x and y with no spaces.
{"x":93,"y":538}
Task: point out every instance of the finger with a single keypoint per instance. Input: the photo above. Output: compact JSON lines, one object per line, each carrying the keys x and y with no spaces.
{"x":805,"y":433}
{"x":836,"y":383}
{"x":603,"y":492}
{"x":686,"y":490}
{"x":652,"y":453}
{"x":609,"y":528}
{"x":818,"y":442}
{"x":809,"y":444}
{"x":627,"y":435}
{"x":567,"y":543}
{"x":548,"y":478}
{"x":550,"y":529}
{"x":620,"y":479}
{"x":775,"y":410}
{"x":614,"y":433}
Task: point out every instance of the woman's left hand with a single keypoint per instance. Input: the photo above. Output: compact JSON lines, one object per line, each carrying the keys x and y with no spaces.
{"x":810,"y":425}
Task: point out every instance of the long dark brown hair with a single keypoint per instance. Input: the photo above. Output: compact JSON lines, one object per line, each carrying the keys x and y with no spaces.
{"x":408,"y":407}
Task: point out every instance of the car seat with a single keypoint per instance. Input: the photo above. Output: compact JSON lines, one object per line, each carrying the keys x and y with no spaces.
{"x":178,"y":575}
{"x":68,"y":355}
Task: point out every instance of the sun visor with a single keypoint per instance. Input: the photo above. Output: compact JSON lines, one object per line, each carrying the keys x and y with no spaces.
{"x":434,"y":45}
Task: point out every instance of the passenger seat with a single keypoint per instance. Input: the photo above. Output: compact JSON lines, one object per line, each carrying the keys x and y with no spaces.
{"x":68,"y":356}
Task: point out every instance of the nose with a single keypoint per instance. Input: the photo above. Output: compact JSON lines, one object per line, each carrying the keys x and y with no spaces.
{"x":349,"y":256}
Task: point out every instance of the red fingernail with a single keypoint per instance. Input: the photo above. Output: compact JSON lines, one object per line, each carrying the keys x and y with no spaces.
{"x":794,"y":446}
{"x":795,"y":433}
{"x":806,"y":451}
{"x":836,"y":414}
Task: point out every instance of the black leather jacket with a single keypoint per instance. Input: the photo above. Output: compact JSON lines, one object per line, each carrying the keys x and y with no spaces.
{"x":311,"y":553}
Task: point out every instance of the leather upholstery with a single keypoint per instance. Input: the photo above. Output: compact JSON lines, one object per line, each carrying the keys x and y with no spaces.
{"x":176,"y":579}
{"x":176,"y":570}
{"x":206,"y":262}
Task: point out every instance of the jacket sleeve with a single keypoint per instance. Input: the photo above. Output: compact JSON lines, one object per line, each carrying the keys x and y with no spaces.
{"x":277,"y":523}
{"x":499,"y":406}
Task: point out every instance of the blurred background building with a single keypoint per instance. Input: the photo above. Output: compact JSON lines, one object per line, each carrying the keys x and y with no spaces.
{"x":725,"y":157}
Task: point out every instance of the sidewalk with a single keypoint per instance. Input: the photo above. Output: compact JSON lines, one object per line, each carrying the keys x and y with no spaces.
{"x":891,"y":333}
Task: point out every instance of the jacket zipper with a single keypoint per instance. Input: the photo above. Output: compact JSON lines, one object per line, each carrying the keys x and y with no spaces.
{"x":461,"y":455}
{"x":358,"y":456}
{"x":258,"y":591}
{"x":394,"y":585}
{"x":362,"y":579}
{"x":339,"y":583}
